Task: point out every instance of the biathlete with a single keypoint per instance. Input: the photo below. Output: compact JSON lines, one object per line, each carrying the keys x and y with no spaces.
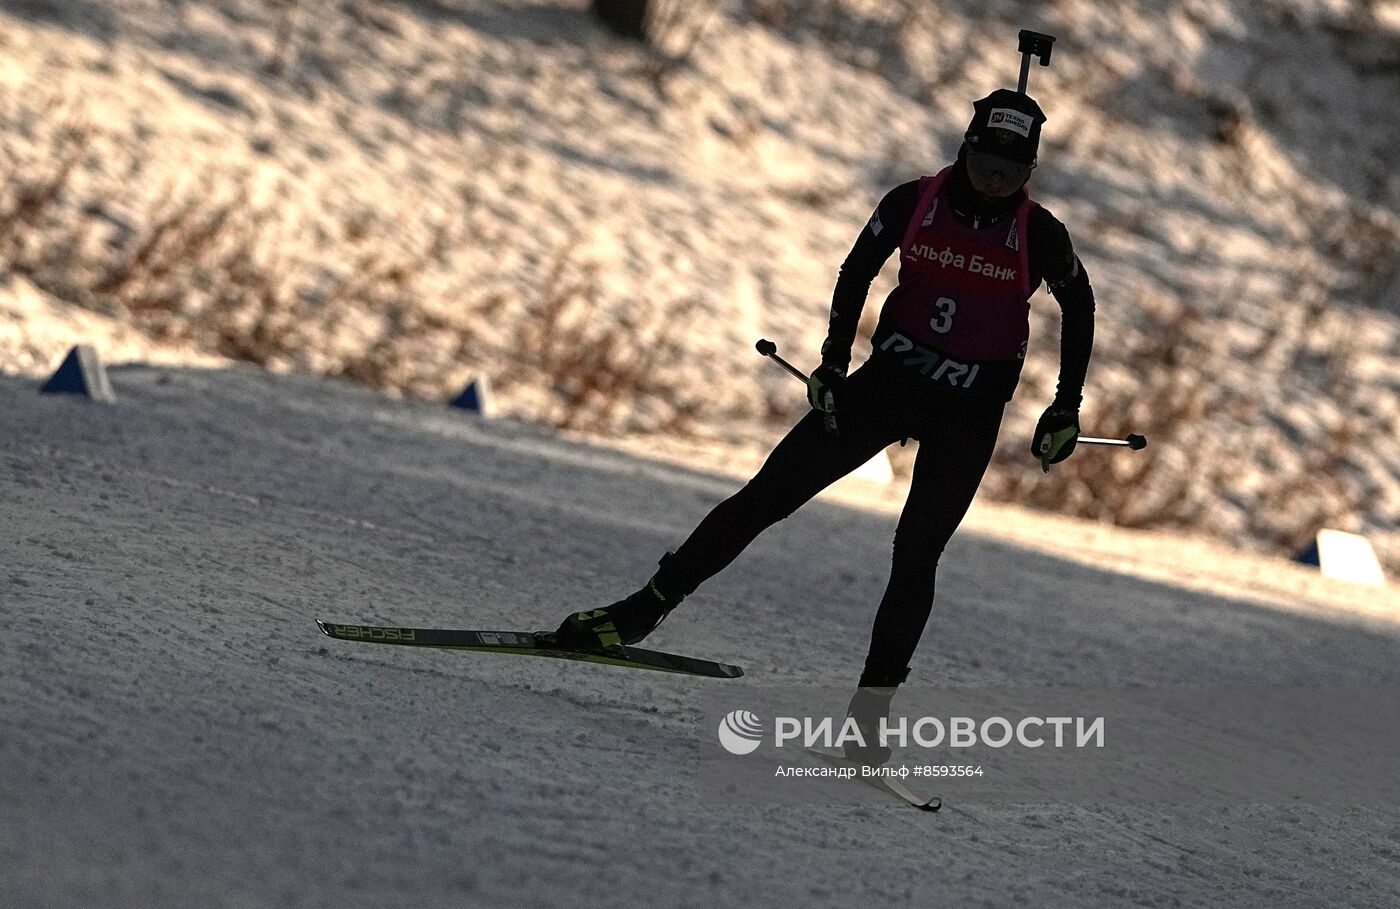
{"x":946,"y":357}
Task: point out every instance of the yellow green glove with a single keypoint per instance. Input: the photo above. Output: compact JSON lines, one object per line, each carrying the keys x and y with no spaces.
{"x":1055,"y":435}
{"x":824,"y":392}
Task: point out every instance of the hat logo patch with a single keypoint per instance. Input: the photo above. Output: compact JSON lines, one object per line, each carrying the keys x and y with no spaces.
{"x":1014,"y":120}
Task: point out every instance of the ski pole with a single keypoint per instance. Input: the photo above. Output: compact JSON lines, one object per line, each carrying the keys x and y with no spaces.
{"x":770,"y":350}
{"x":1133,"y":441}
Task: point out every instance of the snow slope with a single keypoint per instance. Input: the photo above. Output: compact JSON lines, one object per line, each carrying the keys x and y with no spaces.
{"x":406,"y":192}
{"x":177,"y":733}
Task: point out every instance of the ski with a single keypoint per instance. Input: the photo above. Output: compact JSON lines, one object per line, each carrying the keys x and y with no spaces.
{"x":884,"y":784}
{"x":529,"y":643}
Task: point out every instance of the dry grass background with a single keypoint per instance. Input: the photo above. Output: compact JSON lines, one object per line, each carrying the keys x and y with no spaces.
{"x":406,"y":194}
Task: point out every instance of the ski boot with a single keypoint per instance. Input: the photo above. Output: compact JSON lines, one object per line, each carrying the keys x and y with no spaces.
{"x":869,"y":705}
{"x":630,"y":619}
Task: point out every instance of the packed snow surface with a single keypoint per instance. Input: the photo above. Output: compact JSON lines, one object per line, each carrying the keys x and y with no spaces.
{"x":177,"y":732}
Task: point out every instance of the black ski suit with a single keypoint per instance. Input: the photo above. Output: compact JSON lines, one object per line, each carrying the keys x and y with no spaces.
{"x":884,"y":402}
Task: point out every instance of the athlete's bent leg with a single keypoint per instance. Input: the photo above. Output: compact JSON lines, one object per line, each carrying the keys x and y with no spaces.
{"x":804,"y":463}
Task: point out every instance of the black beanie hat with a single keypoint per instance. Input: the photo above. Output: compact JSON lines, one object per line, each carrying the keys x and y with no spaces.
{"x":1006,"y":123}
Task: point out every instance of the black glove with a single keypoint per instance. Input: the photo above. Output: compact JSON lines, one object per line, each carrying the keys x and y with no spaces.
{"x":1055,"y":435}
{"x":826,"y":387}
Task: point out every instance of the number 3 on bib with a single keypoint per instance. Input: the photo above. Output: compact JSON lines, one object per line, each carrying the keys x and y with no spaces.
{"x":943,"y":322}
